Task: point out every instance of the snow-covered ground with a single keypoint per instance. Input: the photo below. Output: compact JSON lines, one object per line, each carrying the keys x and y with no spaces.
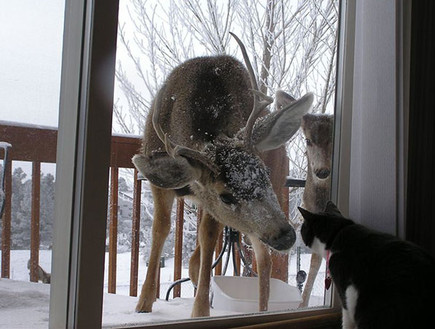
{"x":26,"y":305}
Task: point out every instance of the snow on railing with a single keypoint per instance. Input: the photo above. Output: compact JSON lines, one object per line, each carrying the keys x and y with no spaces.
{"x":37,"y":144}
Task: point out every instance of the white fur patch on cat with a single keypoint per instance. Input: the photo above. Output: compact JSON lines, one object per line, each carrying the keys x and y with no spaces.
{"x":318,"y":247}
{"x":349,"y":313}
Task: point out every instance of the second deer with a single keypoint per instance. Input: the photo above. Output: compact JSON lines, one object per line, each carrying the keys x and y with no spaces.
{"x":317,"y":129}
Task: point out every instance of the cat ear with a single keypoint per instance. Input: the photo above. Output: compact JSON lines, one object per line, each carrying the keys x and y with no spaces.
{"x":331,"y":209}
{"x":306,"y":214}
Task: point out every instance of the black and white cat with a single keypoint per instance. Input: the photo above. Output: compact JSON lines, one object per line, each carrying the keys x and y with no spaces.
{"x":383,"y":282}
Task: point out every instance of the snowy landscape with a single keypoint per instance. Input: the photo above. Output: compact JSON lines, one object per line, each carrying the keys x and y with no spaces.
{"x":30,"y":83}
{"x":26,"y":305}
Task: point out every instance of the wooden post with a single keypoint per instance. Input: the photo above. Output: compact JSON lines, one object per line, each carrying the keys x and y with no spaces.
{"x":277,"y":161}
{"x":135,"y":228}
{"x":113,"y":229}
{"x":178,"y":257}
{"x":6,"y":222}
{"x":34,"y":221}
{"x":279,"y":260}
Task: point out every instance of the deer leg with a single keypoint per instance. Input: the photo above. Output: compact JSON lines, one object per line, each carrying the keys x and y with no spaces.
{"x":177,"y":172}
{"x":208,"y":233}
{"x":264,"y":270}
{"x":163,"y":200}
{"x":194,"y":263}
{"x":316,"y":261}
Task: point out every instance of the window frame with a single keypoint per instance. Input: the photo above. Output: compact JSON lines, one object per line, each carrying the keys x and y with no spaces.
{"x":83,"y":153}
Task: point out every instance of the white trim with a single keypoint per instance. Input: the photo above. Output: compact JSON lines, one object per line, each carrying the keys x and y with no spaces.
{"x":343,"y":121}
{"x":83,"y":157}
{"x":76,"y":290}
{"x":66,"y":158}
{"x":343,"y":107}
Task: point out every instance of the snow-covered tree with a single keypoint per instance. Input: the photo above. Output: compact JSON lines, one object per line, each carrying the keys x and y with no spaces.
{"x":292,"y":46}
{"x":21,"y":210}
{"x":47,"y":211}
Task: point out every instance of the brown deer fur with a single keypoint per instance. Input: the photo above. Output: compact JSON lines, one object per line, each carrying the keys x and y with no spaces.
{"x":200,"y":142}
{"x":42,"y":276}
{"x":317,"y":129}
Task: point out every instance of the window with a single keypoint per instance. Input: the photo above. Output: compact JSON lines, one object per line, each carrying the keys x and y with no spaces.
{"x":141,"y":70}
{"x":153,"y":38}
{"x":85,"y":134}
{"x":31,"y":56}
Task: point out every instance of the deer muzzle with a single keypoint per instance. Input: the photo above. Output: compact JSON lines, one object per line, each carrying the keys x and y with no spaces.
{"x":284,"y":240}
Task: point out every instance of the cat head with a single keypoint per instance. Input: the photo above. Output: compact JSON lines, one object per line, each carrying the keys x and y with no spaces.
{"x":319,"y":229}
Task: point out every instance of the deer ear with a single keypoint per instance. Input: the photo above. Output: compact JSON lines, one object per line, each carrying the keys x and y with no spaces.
{"x":282,"y":99}
{"x":278,"y":127}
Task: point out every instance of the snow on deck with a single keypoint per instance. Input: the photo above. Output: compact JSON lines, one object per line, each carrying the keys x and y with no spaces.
{"x":24,"y":304}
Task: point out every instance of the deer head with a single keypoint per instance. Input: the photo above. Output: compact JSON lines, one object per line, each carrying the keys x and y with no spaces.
{"x":221,"y":171}
{"x":318,"y":129}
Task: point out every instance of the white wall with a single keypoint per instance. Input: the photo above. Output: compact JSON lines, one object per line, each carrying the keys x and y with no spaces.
{"x":373,"y":198}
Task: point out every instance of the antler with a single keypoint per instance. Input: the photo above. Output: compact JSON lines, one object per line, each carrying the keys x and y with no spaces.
{"x":173,"y":149}
{"x":169,"y":145}
{"x":260,"y":99}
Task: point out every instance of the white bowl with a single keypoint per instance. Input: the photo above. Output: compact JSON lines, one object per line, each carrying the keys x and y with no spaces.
{"x":240,"y":294}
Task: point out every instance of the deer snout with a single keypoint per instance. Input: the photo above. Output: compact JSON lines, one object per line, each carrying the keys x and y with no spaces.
{"x":284,"y":240}
{"x":322,"y":173}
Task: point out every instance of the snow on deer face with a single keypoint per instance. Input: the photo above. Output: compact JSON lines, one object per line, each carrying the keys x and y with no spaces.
{"x":241,"y":196}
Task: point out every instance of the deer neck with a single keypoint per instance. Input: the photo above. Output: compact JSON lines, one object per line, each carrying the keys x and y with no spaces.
{"x":316,"y":193}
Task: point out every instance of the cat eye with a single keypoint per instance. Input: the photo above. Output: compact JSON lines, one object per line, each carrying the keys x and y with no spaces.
{"x":309,"y":143}
{"x":228,"y":198}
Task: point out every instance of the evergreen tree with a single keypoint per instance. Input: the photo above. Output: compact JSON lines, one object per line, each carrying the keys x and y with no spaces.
{"x":21,"y":210}
{"x":122,"y":185}
{"x":21,"y":205}
{"x":46,"y":211}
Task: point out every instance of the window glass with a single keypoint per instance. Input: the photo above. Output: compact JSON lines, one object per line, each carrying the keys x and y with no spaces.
{"x":292,"y":47}
{"x":31,"y":35}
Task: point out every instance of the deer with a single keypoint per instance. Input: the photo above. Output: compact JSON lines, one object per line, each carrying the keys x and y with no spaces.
{"x":317,"y":129}
{"x":42,"y":275}
{"x":202,"y":140}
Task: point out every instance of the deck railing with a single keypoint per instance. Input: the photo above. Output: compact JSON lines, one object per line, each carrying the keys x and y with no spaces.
{"x":38,"y":145}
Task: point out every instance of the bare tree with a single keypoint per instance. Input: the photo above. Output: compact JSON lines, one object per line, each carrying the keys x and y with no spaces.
{"x":156,"y":37}
{"x":292,"y":44}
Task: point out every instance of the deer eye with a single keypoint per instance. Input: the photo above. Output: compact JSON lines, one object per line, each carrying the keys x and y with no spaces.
{"x":309,"y":143}
{"x":228,"y":198}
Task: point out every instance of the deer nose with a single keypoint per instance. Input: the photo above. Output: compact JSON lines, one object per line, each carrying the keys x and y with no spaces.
{"x":284,"y":240}
{"x":323,"y":173}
